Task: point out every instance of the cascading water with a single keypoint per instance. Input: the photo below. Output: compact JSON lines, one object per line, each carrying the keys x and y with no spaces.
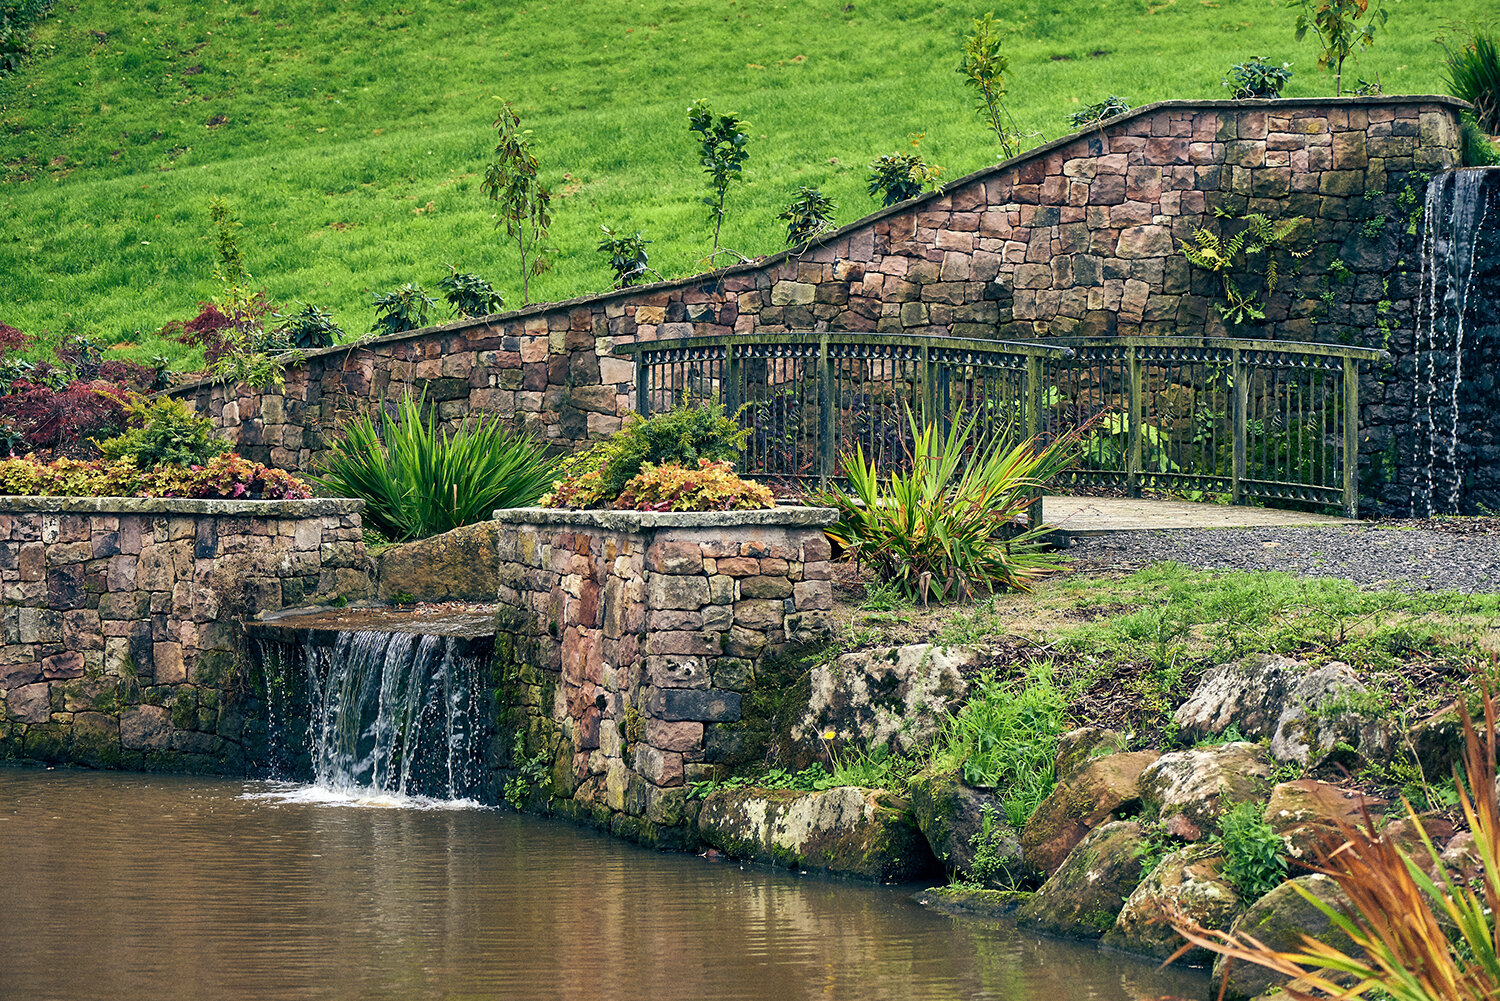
{"x":375,"y":715}
{"x":1457,"y":338}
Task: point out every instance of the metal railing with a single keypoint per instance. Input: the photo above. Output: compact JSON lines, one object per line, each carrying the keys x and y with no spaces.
{"x":1270,"y":420}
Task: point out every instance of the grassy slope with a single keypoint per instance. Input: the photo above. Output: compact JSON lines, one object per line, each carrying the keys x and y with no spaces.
{"x":356,"y":131}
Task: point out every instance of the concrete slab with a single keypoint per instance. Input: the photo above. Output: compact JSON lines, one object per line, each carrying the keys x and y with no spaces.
{"x":1104,"y":515}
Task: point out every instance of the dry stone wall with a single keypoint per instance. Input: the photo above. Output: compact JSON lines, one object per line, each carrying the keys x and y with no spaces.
{"x":627,"y":640}
{"x":1077,"y":237}
{"x":118,"y":620}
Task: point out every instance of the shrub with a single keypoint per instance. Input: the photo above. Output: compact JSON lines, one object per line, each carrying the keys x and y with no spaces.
{"x":1257,"y":78}
{"x":1336,"y":25}
{"x":722,"y":154}
{"x":417,"y":479}
{"x":948,"y":529}
{"x":513,"y":181}
{"x":1093,"y":114}
{"x":308,"y":328}
{"x":627,"y":256}
{"x":11,"y":339}
{"x":470,"y":295}
{"x":137,"y":377}
{"x":1254,"y":854}
{"x":983,"y":68}
{"x":809,"y":215}
{"x":225,"y":477}
{"x":1473,"y":71}
{"x":50,"y":418}
{"x":711,"y":486}
{"x":1420,"y":932}
{"x":1477,"y":149}
{"x":167,"y":433}
{"x":680,"y":436}
{"x":896,"y":177}
{"x":404,"y":309}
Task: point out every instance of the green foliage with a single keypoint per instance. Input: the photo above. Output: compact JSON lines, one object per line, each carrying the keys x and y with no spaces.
{"x":983,"y":68}
{"x":17,"y":17}
{"x":1095,"y":114}
{"x":988,"y":845}
{"x":885,"y":596}
{"x":418,"y":479}
{"x":308,"y":328}
{"x":722,"y":154}
{"x":1477,"y":149}
{"x":242,"y":351}
{"x":710,"y":486}
{"x":469,"y":294}
{"x":1238,"y":254}
{"x":808,"y":216}
{"x":1254,"y":854}
{"x":1473,"y":75}
{"x":1257,"y":79}
{"x":1005,"y":738}
{"x":1336,"y":25}
{"x":627,"y":256}
{"x":531,"y":776}
{"x":896,"y":177}
{"x":948,"y":528}
{"x":224,"y":477}
{"x":166,"y":433}
{"x":513,"y":182}
{"x":813,"y":778}
{"x":406,"y":308}
{"x":680,"y":436}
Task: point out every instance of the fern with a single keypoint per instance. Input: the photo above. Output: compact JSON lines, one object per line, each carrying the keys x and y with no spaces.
{"x":1223,"y":257}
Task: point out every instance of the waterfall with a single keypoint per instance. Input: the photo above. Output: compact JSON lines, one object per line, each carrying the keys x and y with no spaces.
{"x":1457,"y":208}
{"x":370,"y":714}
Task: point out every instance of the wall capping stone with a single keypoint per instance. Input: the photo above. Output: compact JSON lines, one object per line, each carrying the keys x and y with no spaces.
{"x":314,"y":508}
{"x":636,"y":521}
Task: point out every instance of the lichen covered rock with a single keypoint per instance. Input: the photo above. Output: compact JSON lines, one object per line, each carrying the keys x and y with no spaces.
{"x":1085,"y":895}
{"x":1245,"y":694}
{"x":461,"y":565}
{"x":1306,"y":812}
{"x":1279,"y":920}
{"x":950,"y":814}
{"x":1092,"y":792}
{"x":897,"y":696}
{"x":847,"y":830}
{"x":1186,"y":882}
{"x":1190,"y":790}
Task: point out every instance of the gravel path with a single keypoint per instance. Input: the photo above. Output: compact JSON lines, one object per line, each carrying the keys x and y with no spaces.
{"x":1414,"y":559}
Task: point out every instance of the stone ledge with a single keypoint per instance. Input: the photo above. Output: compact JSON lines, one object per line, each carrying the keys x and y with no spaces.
{"x":636,"y":521}
{"x":317,"y":507}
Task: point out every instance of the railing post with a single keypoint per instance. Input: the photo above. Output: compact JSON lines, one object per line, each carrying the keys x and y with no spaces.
{"x":827,"y":452}
{"x":731,"y":389}
{"x":1031,"y":406}
{"x":1351,"y":437}
{"x":642,"y":393}
{"x":1133,"y":455}
{"x":929,"y":391}
{"x":1239,"y":418}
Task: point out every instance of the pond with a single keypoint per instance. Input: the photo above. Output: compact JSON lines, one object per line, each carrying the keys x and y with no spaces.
{"x":135,"y":886}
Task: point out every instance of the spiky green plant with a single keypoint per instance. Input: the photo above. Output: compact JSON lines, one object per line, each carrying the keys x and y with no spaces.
{"x":949,"y":528}
{"x":417,"y":479}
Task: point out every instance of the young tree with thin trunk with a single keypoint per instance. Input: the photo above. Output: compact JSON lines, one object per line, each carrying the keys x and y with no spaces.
{"x":722,"y":141}
{"x":512,"y":181}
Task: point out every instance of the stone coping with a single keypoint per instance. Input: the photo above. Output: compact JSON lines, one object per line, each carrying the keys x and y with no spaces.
{"x":762,"y":263}
{"x":636,"y":521}
{"x":314,"y":508}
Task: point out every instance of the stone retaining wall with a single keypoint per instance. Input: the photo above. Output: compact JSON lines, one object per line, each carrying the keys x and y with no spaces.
{"x":628,"y":639}
{"x":1077,"y":237}
{"x":118,"y":618}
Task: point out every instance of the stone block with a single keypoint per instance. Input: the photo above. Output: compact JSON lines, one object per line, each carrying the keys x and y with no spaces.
{"x":678,"y":592}
{"x":708,"y":705}
{"x":765,"y":587}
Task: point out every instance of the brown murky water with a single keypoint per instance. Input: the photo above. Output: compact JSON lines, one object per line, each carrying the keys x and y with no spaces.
{"x":145,"y":887}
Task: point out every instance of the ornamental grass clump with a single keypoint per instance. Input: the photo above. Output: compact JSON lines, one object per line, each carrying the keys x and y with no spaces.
{"x":1420,"y":932}
{"x":949,"y":529}
{"x":418,"y":480}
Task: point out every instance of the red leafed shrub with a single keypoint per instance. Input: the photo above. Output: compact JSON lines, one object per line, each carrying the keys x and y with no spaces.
{"x":227,"y":477}
{"x":65,"y":418}
{"x":12,"y":339}
{"x":712,"y":486}
{"x":138,"y":377}
{"x":206,"y":331}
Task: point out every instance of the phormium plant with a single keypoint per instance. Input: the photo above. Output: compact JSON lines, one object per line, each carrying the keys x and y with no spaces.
{"x":809,"y":215}
{"x":1473,"y":74}
{"x":627,"y":256}
{"x":722,"y":153}
{"x":406,"y":308}
{"x":1257,"y":78}
{"x":470,"y":295}
{"x":512,"y":180}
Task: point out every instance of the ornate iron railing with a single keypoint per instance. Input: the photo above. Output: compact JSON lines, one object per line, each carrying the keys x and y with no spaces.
{"x":1271,"y":420}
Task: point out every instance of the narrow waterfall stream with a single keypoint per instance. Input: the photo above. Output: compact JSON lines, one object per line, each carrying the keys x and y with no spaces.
{"x":377,"y":716}
{"x":1454,"y":323}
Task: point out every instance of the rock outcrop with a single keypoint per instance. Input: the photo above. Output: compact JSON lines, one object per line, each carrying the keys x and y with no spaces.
{"x":1190,"y":790}
{"x":1091,"y":793}
{"x":1188,"y":883}
{"x":897,"y":696}
{"x":1084,"y":896}
{"x":1279,"y":920}
{"x":950,"y":814}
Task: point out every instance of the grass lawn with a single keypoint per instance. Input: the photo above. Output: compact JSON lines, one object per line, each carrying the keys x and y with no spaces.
{"x":350,"y":136}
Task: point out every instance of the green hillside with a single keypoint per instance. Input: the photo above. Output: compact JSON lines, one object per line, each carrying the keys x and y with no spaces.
{"x":349,"y":135}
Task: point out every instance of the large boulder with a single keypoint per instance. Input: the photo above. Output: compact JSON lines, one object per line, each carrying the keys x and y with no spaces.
{"x":897,"y":696}
{"x":950,"y":815}
{"x":1308,"y":812}
{"x":1190,"y":790}
{"x":1092,"y":793}
{"x":1245,"y":694}
{"x":1077,"y":748}
{"x":461,"y":565}
{"x":1279,"y":920}
{"x":1185,"y":883}
{"x":847,"y":830}
{"x":1084,"y":896}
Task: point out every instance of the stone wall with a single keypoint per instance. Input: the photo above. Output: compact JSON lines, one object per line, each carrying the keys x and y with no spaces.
{"x":118,"y":617}
{"x":1077,"y":237}
{"x":627,"y":640}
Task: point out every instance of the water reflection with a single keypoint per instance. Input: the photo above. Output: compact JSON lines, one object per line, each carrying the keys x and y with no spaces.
{"x":135,"y":887}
